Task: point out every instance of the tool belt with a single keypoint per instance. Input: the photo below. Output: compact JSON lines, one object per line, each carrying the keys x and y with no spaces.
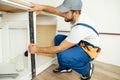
{"x":92,"y":51}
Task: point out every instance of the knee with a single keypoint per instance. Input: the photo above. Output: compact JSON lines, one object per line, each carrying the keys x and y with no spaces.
{"x":57,"y":37}
{"x":57,"y":40}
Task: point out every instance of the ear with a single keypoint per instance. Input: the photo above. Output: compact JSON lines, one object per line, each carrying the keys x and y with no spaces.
{"x":75,"y":12}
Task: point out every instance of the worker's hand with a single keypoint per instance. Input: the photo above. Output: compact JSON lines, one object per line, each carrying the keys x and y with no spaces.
{"x":35,"y":7}
{"x":33,"y":48}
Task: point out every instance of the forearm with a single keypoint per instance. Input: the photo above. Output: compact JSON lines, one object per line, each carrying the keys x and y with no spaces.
{"x":52,"y":10}
{"x":49,"y":50}
{"x":46,"y":8}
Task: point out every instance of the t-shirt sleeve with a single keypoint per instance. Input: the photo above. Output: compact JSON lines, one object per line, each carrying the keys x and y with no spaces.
{"x":77,"y":34}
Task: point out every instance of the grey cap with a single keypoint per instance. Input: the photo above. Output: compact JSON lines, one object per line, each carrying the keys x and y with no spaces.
{"x":68,"y":5}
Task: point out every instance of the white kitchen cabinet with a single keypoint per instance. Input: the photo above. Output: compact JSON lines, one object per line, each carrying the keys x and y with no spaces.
{"x":15,"y":36}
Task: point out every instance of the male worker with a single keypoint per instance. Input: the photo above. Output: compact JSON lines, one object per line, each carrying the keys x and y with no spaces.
{"x":80,"y":47}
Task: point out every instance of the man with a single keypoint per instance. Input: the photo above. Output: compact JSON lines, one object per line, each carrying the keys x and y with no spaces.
{"x":76,"y":50}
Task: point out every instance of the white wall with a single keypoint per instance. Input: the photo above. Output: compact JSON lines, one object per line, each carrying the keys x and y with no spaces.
{"x":110,"y":49}
{"x":106,"y":14}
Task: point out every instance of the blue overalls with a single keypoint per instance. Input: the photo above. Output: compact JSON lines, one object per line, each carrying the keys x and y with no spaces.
{"x":74,"y":57}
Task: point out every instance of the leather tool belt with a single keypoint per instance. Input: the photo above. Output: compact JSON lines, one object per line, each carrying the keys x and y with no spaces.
{"x":92,"y":51}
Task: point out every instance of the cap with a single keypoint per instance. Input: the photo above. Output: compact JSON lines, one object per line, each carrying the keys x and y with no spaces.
{"x":68,"y":5}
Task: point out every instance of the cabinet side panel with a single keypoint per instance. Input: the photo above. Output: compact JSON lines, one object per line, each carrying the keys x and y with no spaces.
{"x":45,"y":36}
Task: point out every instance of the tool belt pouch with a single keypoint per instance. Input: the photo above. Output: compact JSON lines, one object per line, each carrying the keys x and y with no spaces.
{"x":93,"y":52}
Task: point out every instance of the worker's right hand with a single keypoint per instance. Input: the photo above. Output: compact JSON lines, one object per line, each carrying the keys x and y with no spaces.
{"x":33,"y":48}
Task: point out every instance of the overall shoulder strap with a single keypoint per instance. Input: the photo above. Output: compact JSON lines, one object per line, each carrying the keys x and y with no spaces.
{"x":86,"y":25}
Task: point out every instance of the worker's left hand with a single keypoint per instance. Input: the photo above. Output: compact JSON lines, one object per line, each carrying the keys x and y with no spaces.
{"x":33,"y":48}
{"x":35,"y":7}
